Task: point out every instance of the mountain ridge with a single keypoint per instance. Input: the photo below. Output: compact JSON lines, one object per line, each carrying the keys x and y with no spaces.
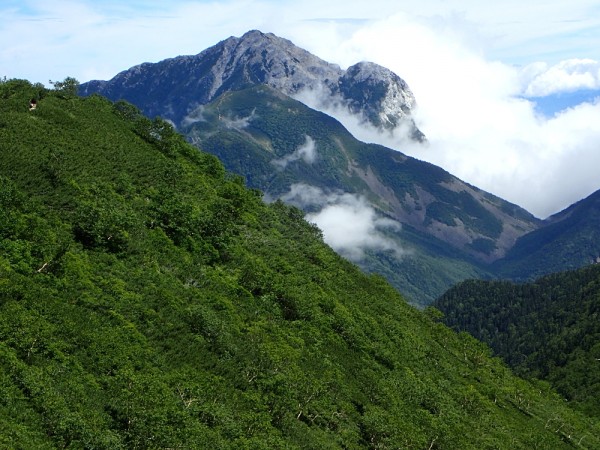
{"x":566,"y":240}
{"x":372,"y":92}
{"x":231,"y":118}
{"x":259,"y":133}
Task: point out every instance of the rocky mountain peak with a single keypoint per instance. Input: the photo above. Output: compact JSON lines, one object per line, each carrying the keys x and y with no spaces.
{"x":176,"y":87}
{"x":382,"y":96}
{"x":260,"y":58}
{"x":366,"y":71}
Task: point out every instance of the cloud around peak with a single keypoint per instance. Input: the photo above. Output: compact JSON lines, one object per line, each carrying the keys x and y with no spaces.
{"x":474,"y":112}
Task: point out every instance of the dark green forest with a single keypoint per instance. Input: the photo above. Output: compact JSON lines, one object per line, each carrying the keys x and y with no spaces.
{"x":547,"y":329}
{"x":148,"y":299}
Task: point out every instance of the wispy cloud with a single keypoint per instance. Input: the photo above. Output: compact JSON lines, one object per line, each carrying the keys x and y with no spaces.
{"x":307,"y":152}
{"x":238,"y":123}
{"x":349,"y":224}
{"x":78,"y":37}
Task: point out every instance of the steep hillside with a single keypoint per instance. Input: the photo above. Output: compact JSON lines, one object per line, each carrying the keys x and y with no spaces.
{"x":233,"y":100}
{"x":549,"y":329}
{"x":148,"y":300}
{"x":448,"y":228}
{"x":175,"y":88}
{"x":567,"y":240}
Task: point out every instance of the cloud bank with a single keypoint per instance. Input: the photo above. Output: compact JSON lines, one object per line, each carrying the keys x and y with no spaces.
{"x":478,"y":124}
{"x":349,"y":224}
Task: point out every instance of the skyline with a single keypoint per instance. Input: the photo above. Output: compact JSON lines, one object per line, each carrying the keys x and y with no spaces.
{"x":475,"y":70}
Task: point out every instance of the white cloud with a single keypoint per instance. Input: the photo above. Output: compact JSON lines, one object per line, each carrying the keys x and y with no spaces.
{"x":303,"y":196}
{"x":43,"y":40}
{"x":478,"y":126}
{"x":197,"y":115}
{"x":52,"y":40}
{"x":322,"y":100}
{"x":235,"y":123}
{"x":566,"y":76}
{"x":349,"y":224}
{"x":307,"y":152}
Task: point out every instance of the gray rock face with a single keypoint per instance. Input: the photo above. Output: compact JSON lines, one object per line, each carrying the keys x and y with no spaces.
{"x":381,"y":96}
{"x":175,"y":87}
{"x":258,"y":58}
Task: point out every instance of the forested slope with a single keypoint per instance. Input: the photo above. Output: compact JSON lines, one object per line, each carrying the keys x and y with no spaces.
{"x":548,"y":329}
{"x":448,"y":230}
{"x":567,"y":240}
{"x":149,"y":300}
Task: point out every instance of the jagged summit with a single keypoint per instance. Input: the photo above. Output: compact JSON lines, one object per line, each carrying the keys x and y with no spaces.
{"x":386,"y":99}
{"x":175,"y":87}
{"x":266,"y":58}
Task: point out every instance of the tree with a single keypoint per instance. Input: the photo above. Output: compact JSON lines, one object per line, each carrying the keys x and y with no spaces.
{"x":66,"y":88}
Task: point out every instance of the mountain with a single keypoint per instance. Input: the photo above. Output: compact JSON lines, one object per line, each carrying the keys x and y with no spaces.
{"x":547,"y":329}
{"x":175,"y":88}
{"x":567,"y":240}
{"x":149,"y":300}
{"x":448,"y":230}
{"x":429,"y":229}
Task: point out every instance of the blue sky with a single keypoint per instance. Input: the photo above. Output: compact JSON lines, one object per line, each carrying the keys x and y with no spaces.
{"x":471,"y":64}
{"x":98,"y":37}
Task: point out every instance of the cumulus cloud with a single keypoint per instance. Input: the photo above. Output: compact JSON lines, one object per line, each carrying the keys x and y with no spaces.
{"x":566,"y":76}
{"x":307,"y":152}
{"x":478,"y":125}
{"x":349,"y":224}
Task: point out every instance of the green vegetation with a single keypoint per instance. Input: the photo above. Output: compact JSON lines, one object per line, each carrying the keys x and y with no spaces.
{"x":249,"y":129}
{"x":549,"y":329}
{"x":150,"y":300}
{"x":66,"y":88}
{"x":429,"y":267}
